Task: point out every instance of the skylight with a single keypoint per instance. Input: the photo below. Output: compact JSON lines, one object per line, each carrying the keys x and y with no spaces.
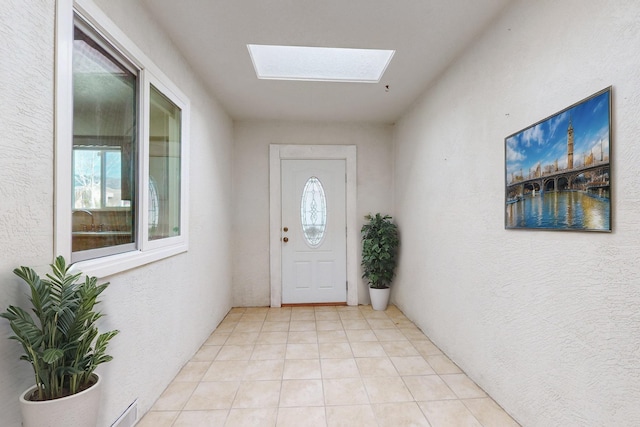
{"x":319,"y":63}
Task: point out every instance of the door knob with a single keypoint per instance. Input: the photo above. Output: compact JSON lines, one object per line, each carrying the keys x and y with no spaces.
{"x":285,"y":229}
{"x":285,"y":239}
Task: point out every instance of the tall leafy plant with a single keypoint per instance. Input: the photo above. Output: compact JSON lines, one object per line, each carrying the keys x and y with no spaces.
{"x":61,"y":341}
{"x":379,"y":250}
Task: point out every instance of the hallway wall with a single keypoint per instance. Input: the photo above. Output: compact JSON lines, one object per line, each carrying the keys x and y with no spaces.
{"x":26,"y":199}
{"x":165,"y":310}
{"x":546,"y":322}
{"x":251,"y":191}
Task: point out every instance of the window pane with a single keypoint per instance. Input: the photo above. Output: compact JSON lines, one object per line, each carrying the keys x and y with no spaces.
{"x":313,"y":211}
{"x":104,"y":136}
{"x":164,"y":167}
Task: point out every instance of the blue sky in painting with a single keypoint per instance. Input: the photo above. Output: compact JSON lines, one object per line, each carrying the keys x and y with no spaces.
{"x":547,"y":141}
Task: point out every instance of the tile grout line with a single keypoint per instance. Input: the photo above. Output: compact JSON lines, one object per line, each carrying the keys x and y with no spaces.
{"x":375,"y":324}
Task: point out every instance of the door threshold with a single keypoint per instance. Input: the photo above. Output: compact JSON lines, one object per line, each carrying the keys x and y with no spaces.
{"x":316,"y":304}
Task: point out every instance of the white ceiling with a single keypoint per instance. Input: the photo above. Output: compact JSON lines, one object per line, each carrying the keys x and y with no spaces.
{"x":426,"y":34}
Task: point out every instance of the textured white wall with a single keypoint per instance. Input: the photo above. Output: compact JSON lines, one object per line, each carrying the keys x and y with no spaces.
{"x":251,"y":191}
{"x":547,"y":322}
{"x":26,"y":170}
{"x":166,"y":309}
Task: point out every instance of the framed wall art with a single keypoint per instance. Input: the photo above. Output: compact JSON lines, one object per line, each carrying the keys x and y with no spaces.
{"x":558,"y":170}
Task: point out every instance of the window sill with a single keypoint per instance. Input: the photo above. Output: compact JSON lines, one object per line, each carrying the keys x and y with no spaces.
{"x":113,"y":264}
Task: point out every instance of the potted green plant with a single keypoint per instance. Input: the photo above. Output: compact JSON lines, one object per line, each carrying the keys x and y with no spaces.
{"x":379,"y":255}
{"x":62,"y":345}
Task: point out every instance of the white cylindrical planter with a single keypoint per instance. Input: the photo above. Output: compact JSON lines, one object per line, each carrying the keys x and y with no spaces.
{"x":379,"y":298}
{"x":77,"y":410}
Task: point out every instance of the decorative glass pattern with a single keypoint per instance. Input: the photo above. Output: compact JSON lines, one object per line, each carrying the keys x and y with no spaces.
{"x":313,"y":212}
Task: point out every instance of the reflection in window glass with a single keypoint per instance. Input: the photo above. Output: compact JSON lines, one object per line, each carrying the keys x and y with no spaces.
{"x":313,"y":211}
{"x":87,"y":179}
{"x":154,"y":202}
{"x":164,"y":166}
{"x":97,"y":179}
{"x":104,"y":137}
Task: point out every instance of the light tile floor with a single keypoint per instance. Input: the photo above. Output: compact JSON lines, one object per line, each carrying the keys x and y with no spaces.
{"x":322,"y":366}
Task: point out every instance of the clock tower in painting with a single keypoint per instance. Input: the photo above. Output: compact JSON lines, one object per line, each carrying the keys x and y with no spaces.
{"x":570,"y":145}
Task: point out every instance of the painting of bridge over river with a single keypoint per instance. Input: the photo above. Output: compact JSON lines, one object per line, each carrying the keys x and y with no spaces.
{"x":558,"y":170}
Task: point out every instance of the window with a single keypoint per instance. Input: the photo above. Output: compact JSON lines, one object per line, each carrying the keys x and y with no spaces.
{"x":324,"y":64}
{"x":104,"y":148}
{"x":164,"y":167}
{"x":313,"y":212}
{"x":121,"y":144}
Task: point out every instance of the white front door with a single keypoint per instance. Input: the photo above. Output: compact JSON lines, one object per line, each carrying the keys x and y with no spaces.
{"x":313,"y":234}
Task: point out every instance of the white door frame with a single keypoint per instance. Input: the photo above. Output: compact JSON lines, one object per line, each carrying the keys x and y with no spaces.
{"x":311,"y":152}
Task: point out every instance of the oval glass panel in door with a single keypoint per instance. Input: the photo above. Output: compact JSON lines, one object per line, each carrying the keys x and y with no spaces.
{"x":313,"y":212}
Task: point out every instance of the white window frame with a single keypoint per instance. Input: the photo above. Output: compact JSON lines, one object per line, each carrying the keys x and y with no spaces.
{"x":148,"y":74}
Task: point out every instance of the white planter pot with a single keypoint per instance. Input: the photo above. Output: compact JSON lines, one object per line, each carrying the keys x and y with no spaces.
{"x":78,"y":410}
{"x":379,"y":298}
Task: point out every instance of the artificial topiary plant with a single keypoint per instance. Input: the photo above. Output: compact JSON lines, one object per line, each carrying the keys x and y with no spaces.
{"x":379,"y":250}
